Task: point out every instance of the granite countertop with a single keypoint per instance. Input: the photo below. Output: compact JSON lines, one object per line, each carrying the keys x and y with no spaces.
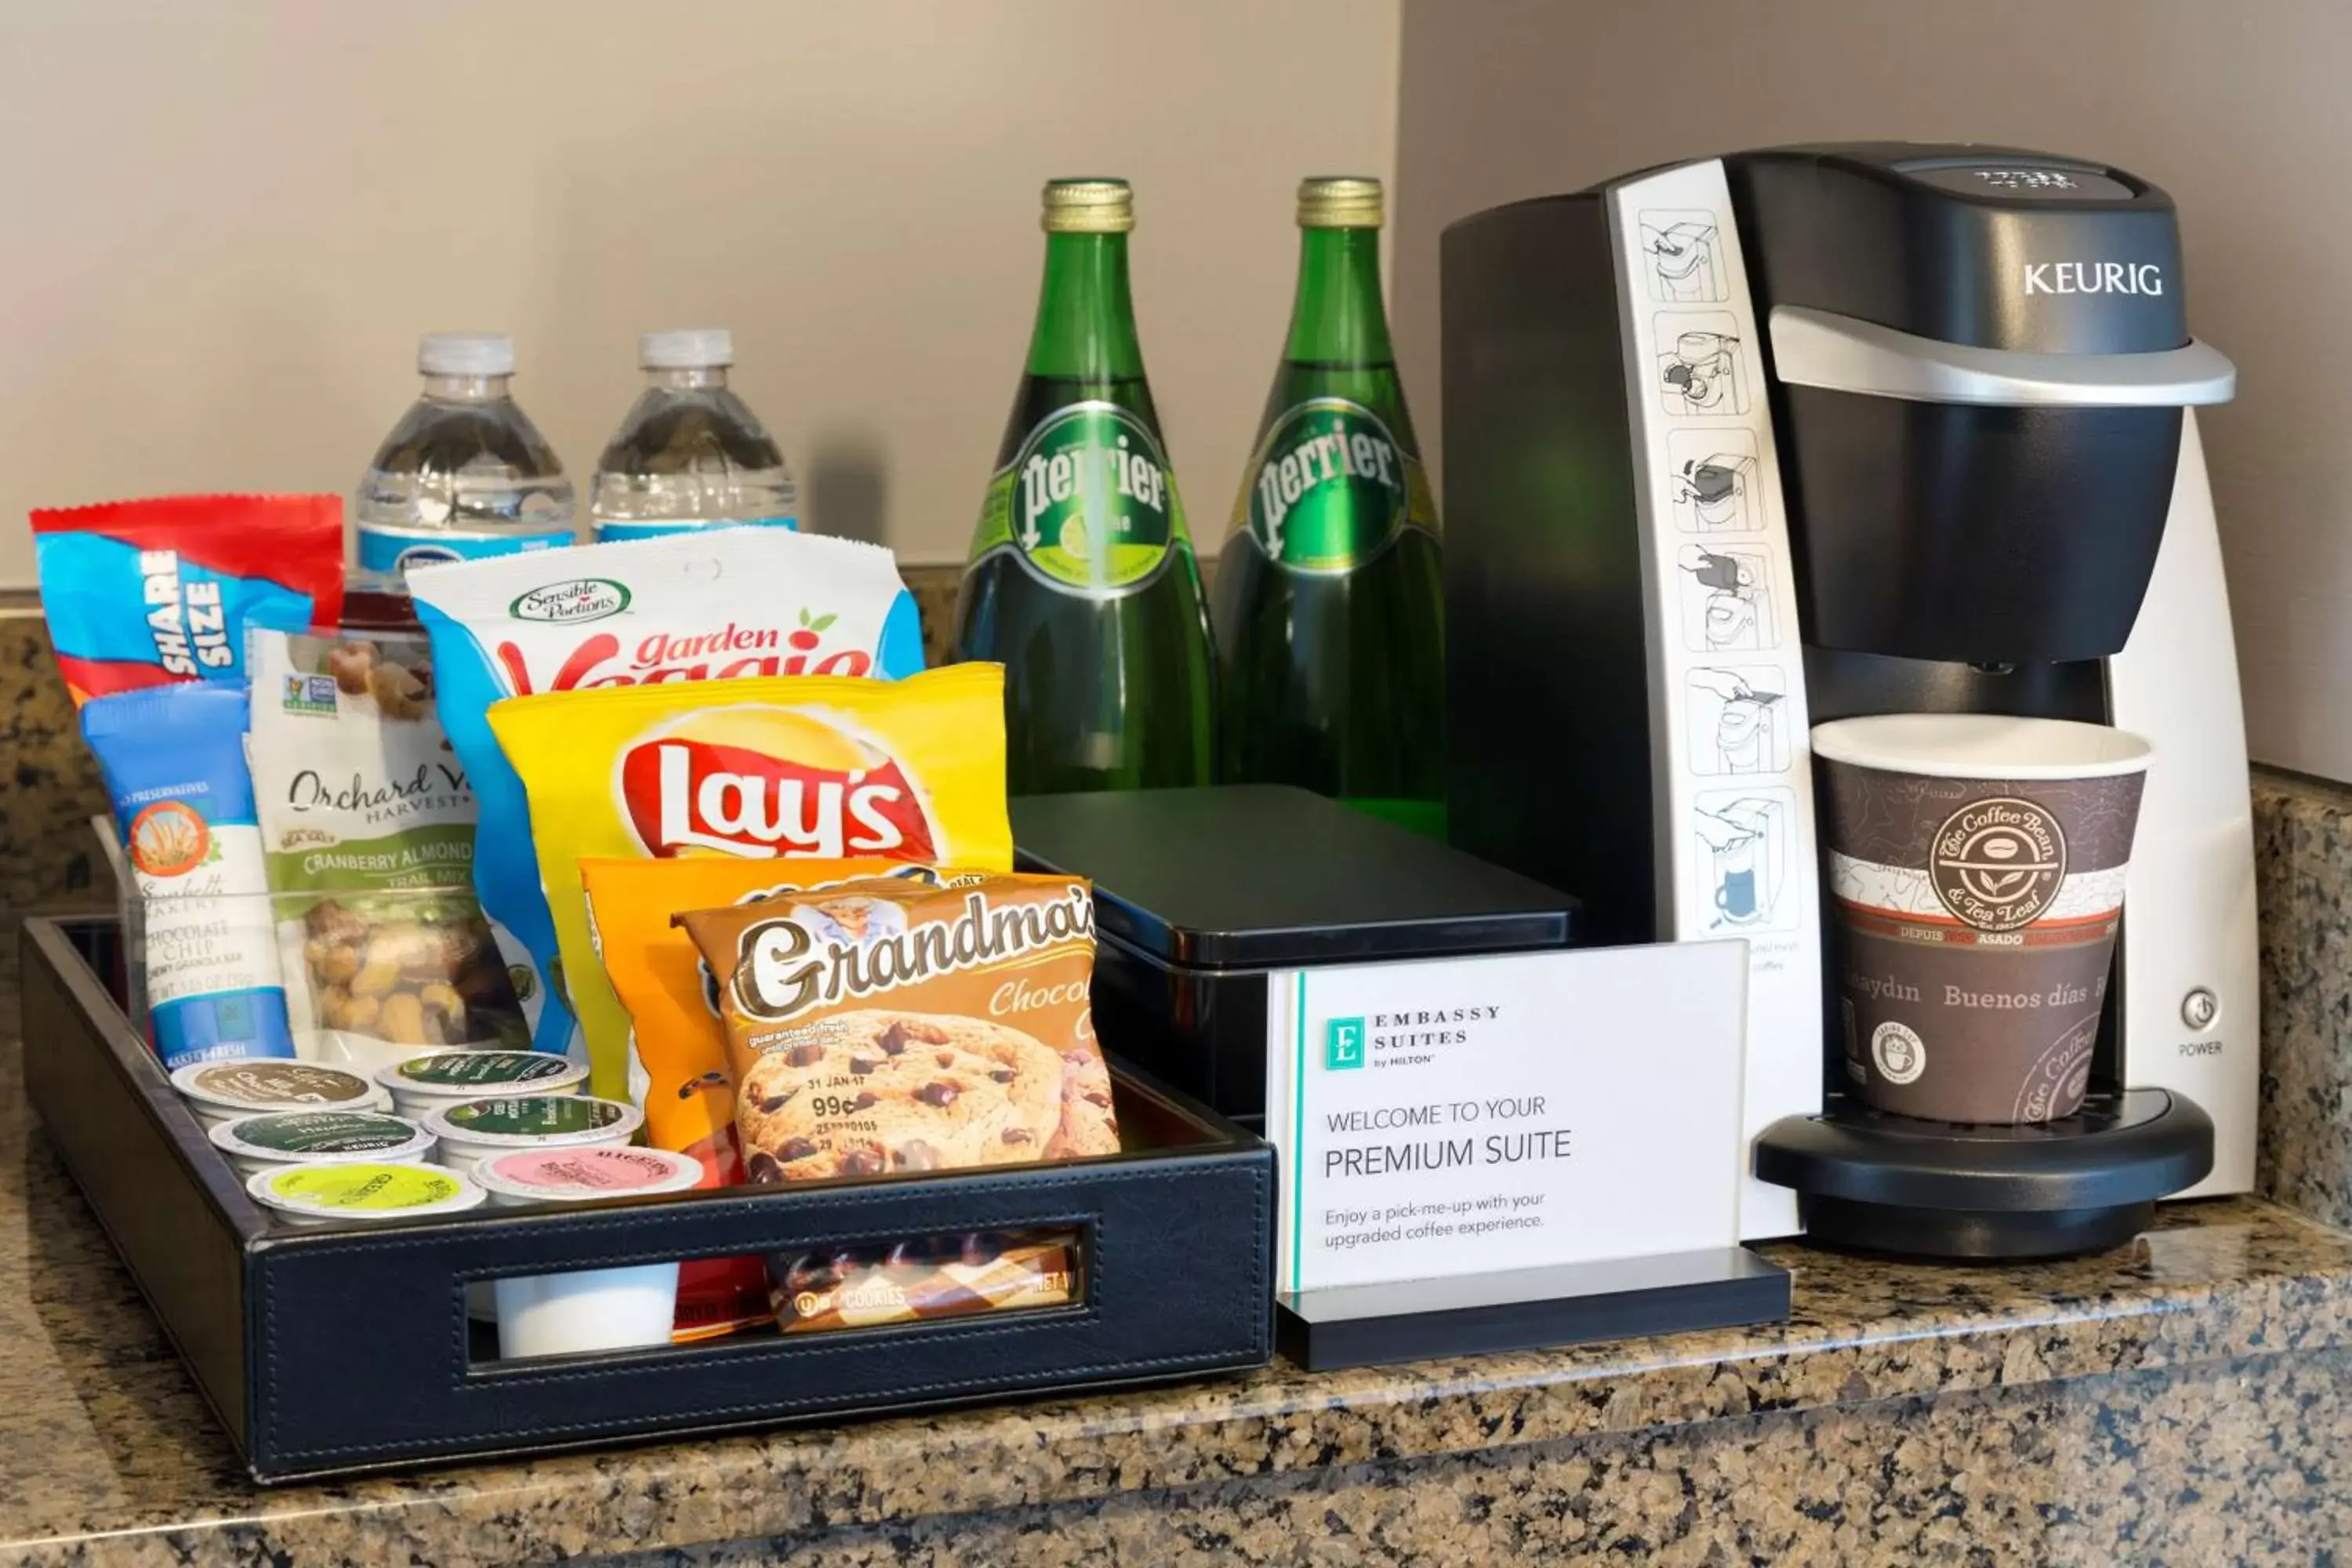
{"x":111,"y":1457}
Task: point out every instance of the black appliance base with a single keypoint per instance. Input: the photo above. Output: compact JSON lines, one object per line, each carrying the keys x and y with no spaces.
{"x":1882,"y":1182}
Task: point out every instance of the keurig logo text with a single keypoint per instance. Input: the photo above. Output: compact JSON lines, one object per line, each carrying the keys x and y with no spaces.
{"x":2094,"y":278}
{"x":1996,"y":864}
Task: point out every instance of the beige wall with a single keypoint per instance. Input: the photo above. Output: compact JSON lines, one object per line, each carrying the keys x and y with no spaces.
{"x":2239,"y":110}
{"x":225,"y":224}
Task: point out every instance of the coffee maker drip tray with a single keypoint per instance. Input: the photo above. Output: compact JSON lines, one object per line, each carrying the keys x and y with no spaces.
{"x":1879,"y":1183}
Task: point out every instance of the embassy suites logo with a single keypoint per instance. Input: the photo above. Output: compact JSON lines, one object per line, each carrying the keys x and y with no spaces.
{"x":1401,"y":1038}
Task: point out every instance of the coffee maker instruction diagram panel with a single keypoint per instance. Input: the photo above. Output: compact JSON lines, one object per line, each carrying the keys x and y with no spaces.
{"x":1727,"y":677}
{"x":1682,"y":248}
{"x":1712,"y":484}
{"x":1725,"y":597}
{"x":1702,"y":363}
{"x":1734,"y":720}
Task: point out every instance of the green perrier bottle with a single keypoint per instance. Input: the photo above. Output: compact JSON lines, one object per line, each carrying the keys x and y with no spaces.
{"x":1327,"y":595}
{"x":1082,"y":582}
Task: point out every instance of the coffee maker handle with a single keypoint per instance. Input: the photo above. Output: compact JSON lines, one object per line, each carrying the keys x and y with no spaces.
{"x":1839,"y":353}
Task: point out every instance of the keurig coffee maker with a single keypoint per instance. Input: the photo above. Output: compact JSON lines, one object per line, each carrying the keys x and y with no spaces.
{"x":1917,"y":437}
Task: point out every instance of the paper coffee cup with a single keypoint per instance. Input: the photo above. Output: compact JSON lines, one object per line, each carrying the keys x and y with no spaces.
{"x":1975,"y":868}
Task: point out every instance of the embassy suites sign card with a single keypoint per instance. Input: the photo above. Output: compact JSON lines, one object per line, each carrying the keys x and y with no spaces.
{"x":1465,"y":1115}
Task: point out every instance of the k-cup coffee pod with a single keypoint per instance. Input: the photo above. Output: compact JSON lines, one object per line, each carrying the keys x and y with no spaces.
{"x":1977,"y":867}
{"x":582,"y":1175}
{"x":223,"y":1092}
{"x":278,"y":1138}
{"x":624,"y":1308}
{"x":476,"y":1129}
{"x":447,"y":1078}
{"x":366,"y":1192}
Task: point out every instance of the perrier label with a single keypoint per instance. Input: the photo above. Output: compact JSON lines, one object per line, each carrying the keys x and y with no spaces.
{"x":1328,"y":599}
{"x":1333,"y":488}
{"x":1082,"y":582}
{"x":1085,"y":499}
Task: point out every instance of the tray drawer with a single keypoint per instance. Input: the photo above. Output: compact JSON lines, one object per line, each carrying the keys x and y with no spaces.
{"x":348,"y":1349}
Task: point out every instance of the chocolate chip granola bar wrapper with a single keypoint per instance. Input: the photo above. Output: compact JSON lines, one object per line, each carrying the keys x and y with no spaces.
{"x":924,"y":1279}
{"x":879,"y":1027}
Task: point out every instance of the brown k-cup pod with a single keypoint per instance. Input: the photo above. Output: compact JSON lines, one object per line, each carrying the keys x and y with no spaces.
{"x":1975,"y":868}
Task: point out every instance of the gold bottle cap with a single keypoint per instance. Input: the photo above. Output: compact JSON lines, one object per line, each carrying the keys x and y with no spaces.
{"x":1087,"y":207}
{"x":1339,"y":201}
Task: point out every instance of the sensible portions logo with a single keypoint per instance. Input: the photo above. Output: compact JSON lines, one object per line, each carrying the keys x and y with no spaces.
{"x":1997,"y":864}
{"x":576,"y":599}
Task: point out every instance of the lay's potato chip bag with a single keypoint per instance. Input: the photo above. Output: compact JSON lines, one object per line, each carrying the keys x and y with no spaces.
{"x":819,"y":767}
{"x":677,"y":1044}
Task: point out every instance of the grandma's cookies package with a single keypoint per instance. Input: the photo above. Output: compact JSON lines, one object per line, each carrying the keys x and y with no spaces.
{"x":882,"y":1027}
{"x":804,"y":767}
{"x":718,"y":604}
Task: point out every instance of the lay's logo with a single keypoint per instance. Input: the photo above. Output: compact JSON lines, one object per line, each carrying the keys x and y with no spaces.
{"x":764,"y":781}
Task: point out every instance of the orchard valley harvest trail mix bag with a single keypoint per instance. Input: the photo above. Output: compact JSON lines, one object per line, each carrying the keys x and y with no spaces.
{"x":880,"y":1026}
{"x":677,"y":1045}
{"x":715,"y":604}
{"x":367,"y":823}
{"x":804,"y":767}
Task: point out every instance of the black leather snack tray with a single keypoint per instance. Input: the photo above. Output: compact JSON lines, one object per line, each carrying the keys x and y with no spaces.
{"x":333,"y":1350}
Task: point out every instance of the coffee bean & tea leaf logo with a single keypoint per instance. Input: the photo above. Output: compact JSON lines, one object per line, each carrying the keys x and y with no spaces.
{"x":1997,"y":864}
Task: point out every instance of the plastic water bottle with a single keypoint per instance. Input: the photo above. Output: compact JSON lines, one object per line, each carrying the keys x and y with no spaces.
{"x":464,"y":473}
{"x":690,"y":454}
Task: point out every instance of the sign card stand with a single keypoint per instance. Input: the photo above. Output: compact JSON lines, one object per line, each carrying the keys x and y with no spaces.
{"x":1510,"y":1152}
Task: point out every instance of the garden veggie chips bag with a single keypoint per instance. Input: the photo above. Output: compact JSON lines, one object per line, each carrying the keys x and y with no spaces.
{"x":677,"y":1045}
{"x":714,"y":604}
{"x":806,"y":767}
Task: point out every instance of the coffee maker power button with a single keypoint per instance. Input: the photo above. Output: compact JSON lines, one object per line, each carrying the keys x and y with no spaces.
{"x":2200,"y":1008}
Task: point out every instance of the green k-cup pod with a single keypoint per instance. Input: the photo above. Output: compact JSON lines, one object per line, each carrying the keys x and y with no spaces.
{"x":441,"y":1077}
{"x":475,"y":1129}
{"x":537,"y":1117}
{"x":290,"y":1137}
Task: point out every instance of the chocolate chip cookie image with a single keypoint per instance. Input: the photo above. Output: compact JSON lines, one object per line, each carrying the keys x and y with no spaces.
{"x":1089,"y":1124}
{"x":870,"y":1092}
